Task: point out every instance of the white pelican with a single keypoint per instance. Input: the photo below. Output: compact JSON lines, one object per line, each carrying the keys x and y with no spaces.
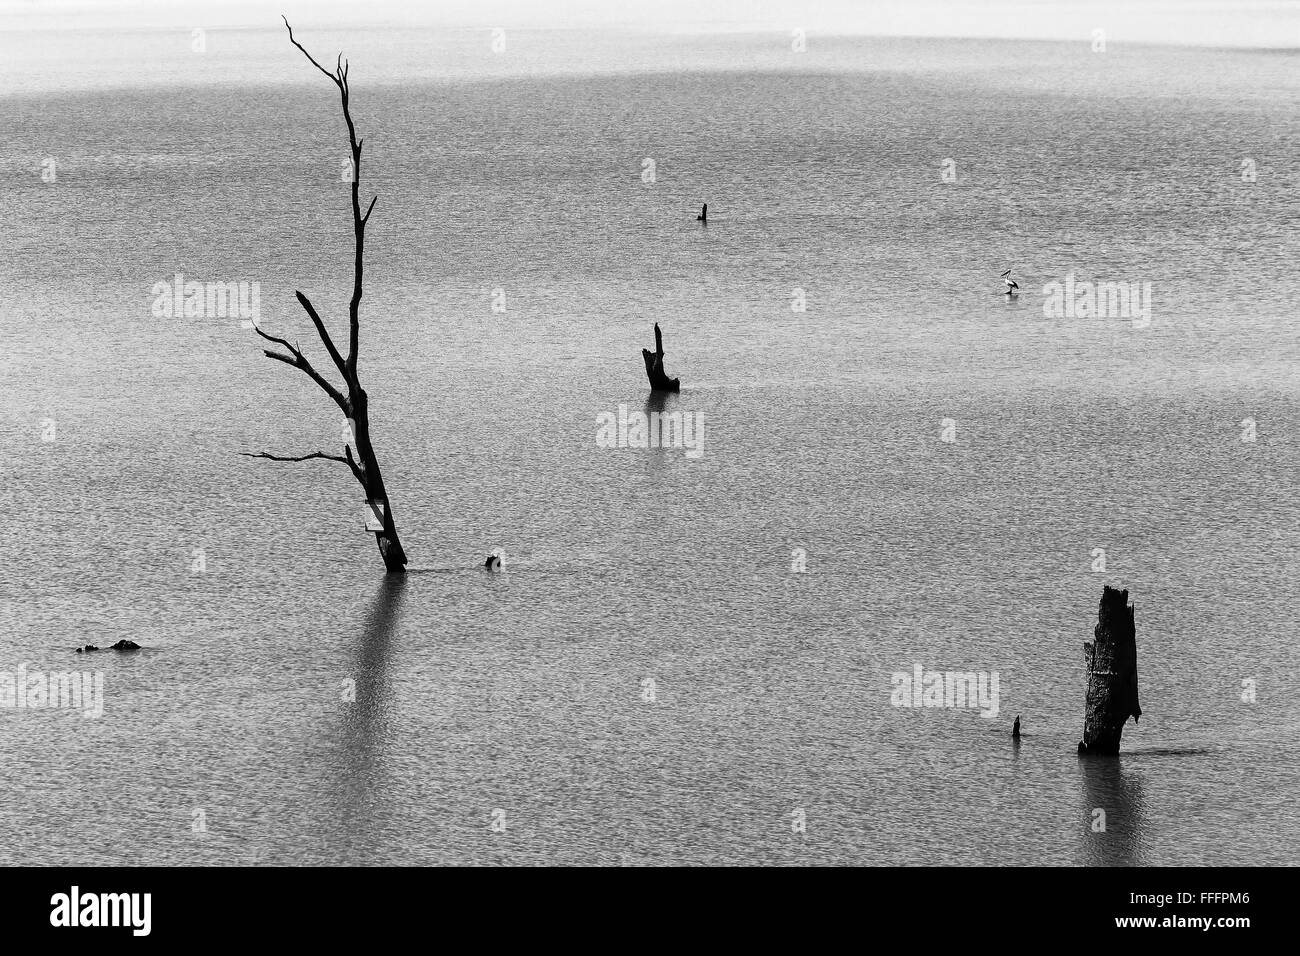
{"x":1012,"y":288}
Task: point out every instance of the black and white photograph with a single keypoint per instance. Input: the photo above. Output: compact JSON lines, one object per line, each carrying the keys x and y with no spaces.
{"x":693,"y":434}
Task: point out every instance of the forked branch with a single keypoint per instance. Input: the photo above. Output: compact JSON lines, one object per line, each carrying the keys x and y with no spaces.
{"x":340,"y":79}
{"x":299,"y":361}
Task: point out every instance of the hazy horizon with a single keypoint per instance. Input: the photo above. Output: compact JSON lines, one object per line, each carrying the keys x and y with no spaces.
{"x":1245,"y":23}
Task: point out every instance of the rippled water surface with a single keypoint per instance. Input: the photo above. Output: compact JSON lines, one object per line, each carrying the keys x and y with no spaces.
{"x":647,"y":680}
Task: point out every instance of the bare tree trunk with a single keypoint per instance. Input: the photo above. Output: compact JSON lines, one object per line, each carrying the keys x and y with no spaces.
{"x":355,"y":404}
{"x":654,"y":367}
{"x":1111,"y":657}
{"x":372,"y":480}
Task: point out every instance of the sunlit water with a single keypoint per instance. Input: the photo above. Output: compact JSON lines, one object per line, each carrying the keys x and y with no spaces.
{"x":648,"y":680}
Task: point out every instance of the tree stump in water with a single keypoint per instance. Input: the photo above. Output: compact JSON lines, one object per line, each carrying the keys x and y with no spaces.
{"x":1112,"y":675}
{"x":654,"y":367}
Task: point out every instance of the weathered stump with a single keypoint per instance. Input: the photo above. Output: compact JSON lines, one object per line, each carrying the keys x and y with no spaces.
{"x":654,"y":367}
{"x":122,"y":645}
{"x":1111,"y":658}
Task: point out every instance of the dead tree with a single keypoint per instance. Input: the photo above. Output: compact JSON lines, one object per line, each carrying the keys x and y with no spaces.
{"x":1112,"y":694}
{"x":351,"y":399}
{"x":654,"y":367}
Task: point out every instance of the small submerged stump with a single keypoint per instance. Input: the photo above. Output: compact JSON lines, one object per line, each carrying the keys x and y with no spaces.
{"x":654,"y":367}
{"x":1111,"y":657}
{"x":122,"y":645}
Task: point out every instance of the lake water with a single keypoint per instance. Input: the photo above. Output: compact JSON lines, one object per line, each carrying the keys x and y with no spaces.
{"x":648,"y":680}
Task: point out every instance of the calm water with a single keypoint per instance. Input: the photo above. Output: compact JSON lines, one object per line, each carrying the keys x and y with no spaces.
{"x":525,"y":692}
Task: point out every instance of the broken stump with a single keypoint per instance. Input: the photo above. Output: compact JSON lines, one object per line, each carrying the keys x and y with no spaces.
{"x":654,"y":367}
{"x":1111,"y":658}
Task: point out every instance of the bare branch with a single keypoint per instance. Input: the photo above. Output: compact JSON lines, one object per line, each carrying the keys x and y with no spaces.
{"x":356,"y":472}
{"x":332,"y":77}
{"x":324,"y":334}
{"x":315,"y":454}
{"x":299,"y":361}
{"x":271,"y":338}
{"x":370,"y":210}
